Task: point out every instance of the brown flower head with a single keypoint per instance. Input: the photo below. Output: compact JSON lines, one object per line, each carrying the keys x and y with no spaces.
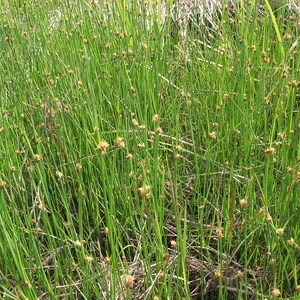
{"x":134,"y":122}
{"x":155,"y":118}
{"x":270,"y":150}
{"x":173,"y":244}
{"x":37,"y":157}
{"x":129,"y":280}
{"x":243,"y":203}
{"x":213,"y":135}
{"x":144,"y":190}
{"x":102,"y":146}
{"x":280,"y":231}
{"x":88,"y":259}
{"x":120,"y":143}
{"x":158,"y":130}
{"x":275,"y":292}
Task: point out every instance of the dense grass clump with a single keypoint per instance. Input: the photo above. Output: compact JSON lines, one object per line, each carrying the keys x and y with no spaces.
{"x":149,"y":153}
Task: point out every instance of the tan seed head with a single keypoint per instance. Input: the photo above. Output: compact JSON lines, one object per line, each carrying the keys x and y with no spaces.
{"x":120,"y":143}
{"x":270,"y":150}
{"x":155,"y":118}
{"x":213,"y":135}
{"x":129,"y":280}
{"x":102,"y":146}
{"x":88,"y":259}
{"x":280,"y":231}
{"x":275,"y":292}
